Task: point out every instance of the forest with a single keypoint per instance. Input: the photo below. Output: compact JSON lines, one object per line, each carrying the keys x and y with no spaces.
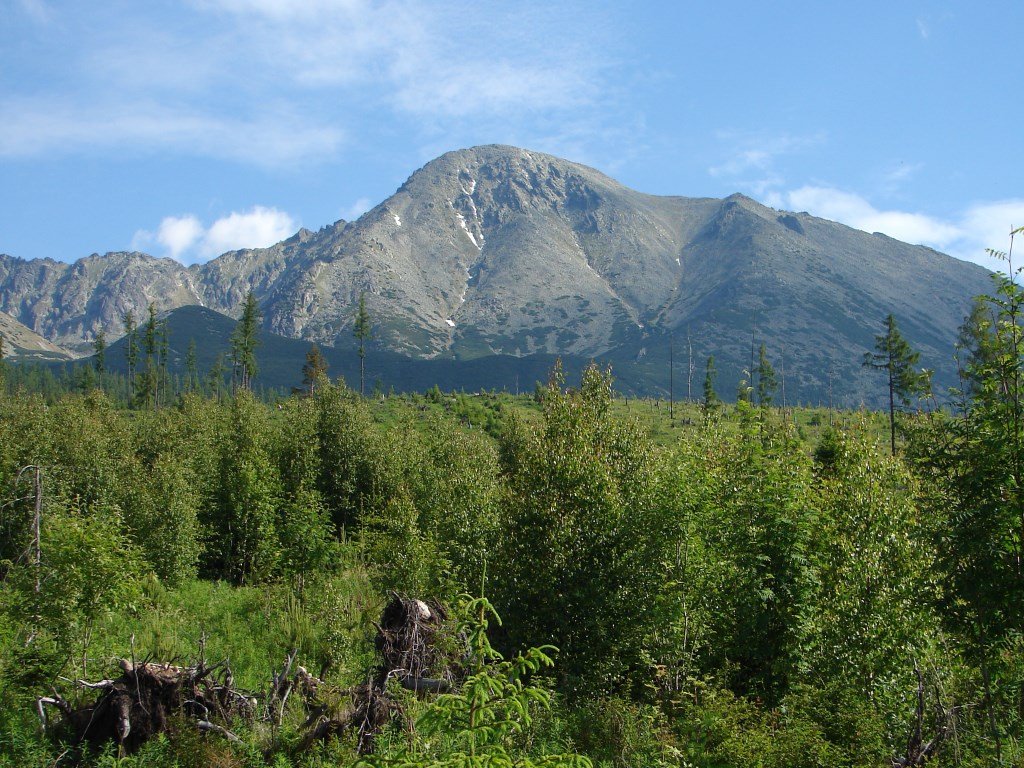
{"x":209,"y":579}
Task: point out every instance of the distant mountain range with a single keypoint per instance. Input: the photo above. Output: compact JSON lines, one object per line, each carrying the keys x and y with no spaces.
{"x":498,"y":251}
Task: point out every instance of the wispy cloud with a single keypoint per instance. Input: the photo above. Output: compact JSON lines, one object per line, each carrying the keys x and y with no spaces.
{"x":273,"y":82}
{"x":965,"y":235}
{"x":186,"y":239}
{"x":751,"y":161}
{"x":898,"y":174}
{"x":37,"y":10}
{"x":48,"y":125}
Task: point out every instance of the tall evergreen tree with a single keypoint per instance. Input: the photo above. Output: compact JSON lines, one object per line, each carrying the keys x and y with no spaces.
{"x":191,"y":367}
{"x":894,"y":355}
{"x":245,"y":341}
{"x":99,"y":346}
{"x":131,"y":349}
{"x":163,"y":358}
{"x":215,"y":379}
{"x":147,"y":390}
{"x":362,"y":329}
{"x":710,"y":396}
{"x":766,"y":382}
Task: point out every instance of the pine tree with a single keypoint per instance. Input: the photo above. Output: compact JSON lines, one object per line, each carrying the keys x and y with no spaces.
{"x":361,"y":330}
{"x":896,"y":357}
{"x":99,"y":346}
{"x":215,"y":379}
{"x":146,"y":392}
{"x":191,"y":367}
{"x":766,"y":382}
{"x":316,"y":366}
{"x":131,"y":349}
{"x":163,"y":356}
{"x":244,"y":342}
{"x":710,"y":396}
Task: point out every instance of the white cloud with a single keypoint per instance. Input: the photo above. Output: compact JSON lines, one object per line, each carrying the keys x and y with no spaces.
{"x":179,"y":233}
{"x":965,"y":235}
{"x":186,"y":239}
{"x":257,"y":228}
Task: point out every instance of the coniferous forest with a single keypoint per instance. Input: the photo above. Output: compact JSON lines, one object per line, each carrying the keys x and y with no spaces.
{"x":211,"y":579}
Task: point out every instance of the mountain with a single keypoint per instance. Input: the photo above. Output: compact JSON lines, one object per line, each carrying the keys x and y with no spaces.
{"x":70,"y":303}
{"x":21,"y":343}
{"x":501,"y":251}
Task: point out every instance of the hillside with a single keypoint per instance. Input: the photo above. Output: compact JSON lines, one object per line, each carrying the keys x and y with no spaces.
{"x":281,"y":359}
{"x":21,"y":343}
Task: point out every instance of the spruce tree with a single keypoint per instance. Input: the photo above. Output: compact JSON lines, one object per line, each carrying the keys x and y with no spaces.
{"x":894,"y":355}
{"x":191,"y":367}
{"x":131,"y":349}
{"x":766,"y":382}
{"x":244,"y":342}
{"x":99,"y":346}
{"x":215,"y":379}
{"x":710,"y":396}
{"x":361,"y":329}
{"x":146,"y":392}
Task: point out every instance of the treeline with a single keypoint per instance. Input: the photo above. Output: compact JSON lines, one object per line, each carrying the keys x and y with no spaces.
{"x":740,"y":598}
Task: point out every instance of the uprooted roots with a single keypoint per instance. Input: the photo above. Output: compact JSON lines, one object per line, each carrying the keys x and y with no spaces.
{"x":407,"y":641}
{"x":141,"y":702}
{"x":144,"y":699}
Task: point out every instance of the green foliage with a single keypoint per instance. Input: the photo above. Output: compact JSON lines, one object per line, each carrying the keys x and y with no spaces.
{"x":483,"y":723}
{"x":766,"y":381}
{"x":725,"y":591}
{"x":975,"y":462}
{"x":710,"y":400}
{"x":314,"y":369}
{"x":243,"y":543}
{"x":871,"y":621}
{"x":582,"y":537}
{"x":756,"y":510}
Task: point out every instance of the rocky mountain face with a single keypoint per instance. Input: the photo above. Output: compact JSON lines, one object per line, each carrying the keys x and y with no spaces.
{"x":69,"y":303}
{"x":498,"y":250}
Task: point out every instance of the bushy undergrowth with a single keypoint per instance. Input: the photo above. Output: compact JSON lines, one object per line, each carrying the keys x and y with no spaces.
{"x":724,"y":595}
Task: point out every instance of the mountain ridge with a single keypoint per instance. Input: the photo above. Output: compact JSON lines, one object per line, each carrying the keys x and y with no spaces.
{"x":499,"y":250}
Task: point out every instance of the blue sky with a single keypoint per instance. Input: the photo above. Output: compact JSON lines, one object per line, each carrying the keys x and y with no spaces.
{"x":188,"y":128}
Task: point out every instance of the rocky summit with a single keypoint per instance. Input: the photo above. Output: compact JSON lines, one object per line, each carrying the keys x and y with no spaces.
{"x":498,"y":250}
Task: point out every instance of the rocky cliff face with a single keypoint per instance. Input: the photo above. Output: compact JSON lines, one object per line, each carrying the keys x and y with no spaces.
{"x":501,"y":250}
